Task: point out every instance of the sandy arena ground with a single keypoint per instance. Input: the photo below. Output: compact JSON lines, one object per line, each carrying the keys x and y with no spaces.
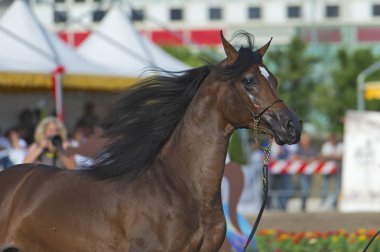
{"x":316,"y":220}
{"x":322,"y":221}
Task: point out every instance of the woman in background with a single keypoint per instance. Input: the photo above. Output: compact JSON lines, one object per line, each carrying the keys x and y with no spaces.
{"x":50,"y":143}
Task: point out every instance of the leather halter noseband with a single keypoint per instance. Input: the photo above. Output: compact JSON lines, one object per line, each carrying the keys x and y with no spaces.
{"x":256,"y":117}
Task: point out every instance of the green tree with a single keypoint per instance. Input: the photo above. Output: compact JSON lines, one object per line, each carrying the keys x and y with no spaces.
{"x":193,"y":57}
{"x":293,"y":67}
{"x":339,"y":94}
{"x":235,"y":149}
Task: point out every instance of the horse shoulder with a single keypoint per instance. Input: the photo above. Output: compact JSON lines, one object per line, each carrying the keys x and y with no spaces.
{"x":166,"y":205}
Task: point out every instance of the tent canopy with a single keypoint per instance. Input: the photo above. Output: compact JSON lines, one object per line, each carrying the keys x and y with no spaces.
{"x":29,"y":55}
{"x":117,"y":45}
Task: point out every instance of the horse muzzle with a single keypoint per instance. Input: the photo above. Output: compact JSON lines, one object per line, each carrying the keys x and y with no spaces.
{"x":285,"y":126}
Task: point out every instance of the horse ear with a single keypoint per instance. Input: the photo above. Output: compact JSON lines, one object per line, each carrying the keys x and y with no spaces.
{"x":230,"y":51}
{"x":261,"y":51}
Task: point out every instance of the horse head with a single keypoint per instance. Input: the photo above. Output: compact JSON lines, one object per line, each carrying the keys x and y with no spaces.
{"x":253,"y":95}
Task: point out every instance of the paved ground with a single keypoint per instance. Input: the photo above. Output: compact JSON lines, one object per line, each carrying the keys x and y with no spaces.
{"x":316,"y":220}
{"x":326,"y":221}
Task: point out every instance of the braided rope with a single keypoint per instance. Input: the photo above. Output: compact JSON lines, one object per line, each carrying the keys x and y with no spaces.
{"x":266,"y":148}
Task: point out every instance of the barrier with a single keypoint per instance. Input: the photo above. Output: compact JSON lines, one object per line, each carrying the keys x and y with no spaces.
{"x":301,"y":167}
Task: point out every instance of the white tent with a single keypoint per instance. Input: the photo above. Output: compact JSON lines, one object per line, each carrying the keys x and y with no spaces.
{"x":117,"y":44}
{"x":26,"y":46}
{"x":29,"y":55}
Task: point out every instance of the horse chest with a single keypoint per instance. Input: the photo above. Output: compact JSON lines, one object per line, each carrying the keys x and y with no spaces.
{"x":209,"y":234}
{"x":188,"y":231}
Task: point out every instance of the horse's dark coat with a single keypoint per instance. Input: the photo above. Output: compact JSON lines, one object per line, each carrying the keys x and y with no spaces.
{"x":156,"y":187}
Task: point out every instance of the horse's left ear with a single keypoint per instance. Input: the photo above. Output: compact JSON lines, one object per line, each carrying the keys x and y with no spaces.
{"x":230,"y":51}
{"x":261,"y":51}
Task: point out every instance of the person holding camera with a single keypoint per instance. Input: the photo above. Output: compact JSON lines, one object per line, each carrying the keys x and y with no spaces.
{"x":50,"y":144}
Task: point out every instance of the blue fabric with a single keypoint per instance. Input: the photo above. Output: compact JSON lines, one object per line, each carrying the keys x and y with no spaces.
{"x":5,"y":162}
{"x":237,"y":239}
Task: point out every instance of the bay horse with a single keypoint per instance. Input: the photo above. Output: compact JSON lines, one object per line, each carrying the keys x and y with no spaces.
{"x":156,"y":185}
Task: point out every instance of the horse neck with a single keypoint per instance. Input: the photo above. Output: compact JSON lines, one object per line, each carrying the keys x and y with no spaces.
{"x":197,"y":149}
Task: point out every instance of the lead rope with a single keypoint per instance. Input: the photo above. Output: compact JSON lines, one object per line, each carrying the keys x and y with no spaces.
{"x":266,"y":155}
{"x":370,"y":241}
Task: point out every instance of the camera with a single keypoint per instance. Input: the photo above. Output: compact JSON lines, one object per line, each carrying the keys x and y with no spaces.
{"x":56,"y":141}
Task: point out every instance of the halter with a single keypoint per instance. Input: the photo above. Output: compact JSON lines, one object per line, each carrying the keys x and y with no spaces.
{"x":266,"y":154}
{"x":266,"y":151}
{"x":256,"y":118}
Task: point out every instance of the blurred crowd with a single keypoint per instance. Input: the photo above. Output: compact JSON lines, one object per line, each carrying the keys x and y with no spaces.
{"x":46,"y":140}
{"x":286,"y":186}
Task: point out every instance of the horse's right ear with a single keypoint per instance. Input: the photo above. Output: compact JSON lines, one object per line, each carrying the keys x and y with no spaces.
{"x":230,"y":51}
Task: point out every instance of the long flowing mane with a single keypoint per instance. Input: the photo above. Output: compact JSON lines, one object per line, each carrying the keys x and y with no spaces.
{"x":142,"y":121}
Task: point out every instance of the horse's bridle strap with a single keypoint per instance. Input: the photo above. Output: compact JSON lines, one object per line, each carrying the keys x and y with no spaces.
{"x":257,"y":117}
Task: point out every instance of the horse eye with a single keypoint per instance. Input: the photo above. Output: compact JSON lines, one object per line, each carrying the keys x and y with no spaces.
{"x":249,"y":81}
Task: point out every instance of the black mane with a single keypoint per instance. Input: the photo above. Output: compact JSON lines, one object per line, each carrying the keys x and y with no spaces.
{"x":142,"y":121}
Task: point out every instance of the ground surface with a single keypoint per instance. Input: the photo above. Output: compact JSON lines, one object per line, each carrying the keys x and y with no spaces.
{"x":321,"y":221}
{"x":315,"y":219}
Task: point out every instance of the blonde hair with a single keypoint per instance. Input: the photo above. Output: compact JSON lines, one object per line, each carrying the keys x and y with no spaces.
{"x":41,"y":127}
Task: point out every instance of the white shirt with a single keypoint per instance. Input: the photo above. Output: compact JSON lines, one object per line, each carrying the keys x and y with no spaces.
{"x":329,"y":149}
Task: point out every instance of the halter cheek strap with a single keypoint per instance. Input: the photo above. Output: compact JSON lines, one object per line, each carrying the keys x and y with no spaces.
{"x":266,"y":151}
{"x":256,"y":117}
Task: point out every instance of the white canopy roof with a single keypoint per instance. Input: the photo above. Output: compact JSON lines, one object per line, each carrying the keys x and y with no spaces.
{"x":117,"y":44}
{"x":26,"y":47}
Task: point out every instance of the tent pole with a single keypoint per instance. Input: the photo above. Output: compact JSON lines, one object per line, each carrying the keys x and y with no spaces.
{"x":57,"y":91}
{"x":56,"y":75}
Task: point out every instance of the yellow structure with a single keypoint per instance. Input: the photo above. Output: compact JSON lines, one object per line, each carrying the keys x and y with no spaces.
{"x":35,"y":81}
{"x":372,"y":90}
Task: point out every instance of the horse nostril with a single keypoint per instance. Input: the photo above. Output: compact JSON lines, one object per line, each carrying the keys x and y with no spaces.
{"x":291,"y":128}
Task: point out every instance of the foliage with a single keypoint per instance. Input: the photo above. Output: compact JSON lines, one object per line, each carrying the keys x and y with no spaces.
{"x":193,"y":57}
{"x":293,"y":67}
{"x":235,"y":149}
{"x":340,"y":93}
{"x":321,"y":89}
{"x":270,"y":240}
